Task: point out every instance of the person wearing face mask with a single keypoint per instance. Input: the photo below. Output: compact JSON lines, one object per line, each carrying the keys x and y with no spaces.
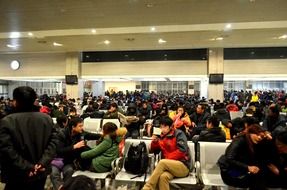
{"x":175,"y":160}
{"x":241,"y":165}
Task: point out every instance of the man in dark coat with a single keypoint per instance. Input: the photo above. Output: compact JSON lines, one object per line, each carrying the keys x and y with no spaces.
{"x":27,"y":143}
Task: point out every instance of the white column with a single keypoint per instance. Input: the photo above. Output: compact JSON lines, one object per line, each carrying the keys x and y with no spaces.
{"x":73,"y":67}
{"x":215,"y":65}
{"x":203,"y":87}
{"x":98,"y":88}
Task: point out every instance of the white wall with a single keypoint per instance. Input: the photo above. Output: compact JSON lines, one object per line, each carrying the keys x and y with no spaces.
{"x":34,"y":65}
{"x":121,"y":86}
{"x":243,"y":67}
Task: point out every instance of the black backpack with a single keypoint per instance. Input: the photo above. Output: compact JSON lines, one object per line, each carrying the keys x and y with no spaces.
{"x":136,"y":161}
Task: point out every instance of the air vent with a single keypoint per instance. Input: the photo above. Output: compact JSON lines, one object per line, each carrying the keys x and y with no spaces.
{"x":130,"y":39}
{"x":42,"y":41}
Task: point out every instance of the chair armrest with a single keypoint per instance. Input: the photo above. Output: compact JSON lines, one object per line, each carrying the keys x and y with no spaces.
{"x":117,"y":165}
{"x":198,"y":171}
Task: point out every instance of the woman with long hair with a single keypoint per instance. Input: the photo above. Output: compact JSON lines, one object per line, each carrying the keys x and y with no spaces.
{"x":241,"y":165}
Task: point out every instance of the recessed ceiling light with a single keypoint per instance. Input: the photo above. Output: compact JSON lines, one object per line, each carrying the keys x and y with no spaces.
{"x":161,"y":41}
{"x":152,"y":29}
{"x":15,"y":35}
{"x":94,"y":31}
{"x":228,"y":26}
{"x":57,"y":44}
{"x":107,"y":42}
{"x":283,"y":36}
{"x":13,"y":46}
{"x":149,"y":5}
{"x":30,"y":34}
{"x":219,"y":38}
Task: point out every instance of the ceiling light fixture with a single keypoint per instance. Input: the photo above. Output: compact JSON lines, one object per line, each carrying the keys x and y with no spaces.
{"x":30,"y":34}
{"x":228,"y":26}
{"x":13,"y":46}
{"x":94,"y":31}
{"x":57,"y":44}
{"x":219,"y":38}
{"x":283,"y":37}
{"x":15,"y":35}
{"x":107,"y":42}
{"x":152,"y":29}
{"x":149,"y":5}
{"x":161,"y":41}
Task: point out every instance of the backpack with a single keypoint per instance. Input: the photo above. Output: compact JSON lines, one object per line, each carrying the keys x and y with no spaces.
{"x":137,"y":159}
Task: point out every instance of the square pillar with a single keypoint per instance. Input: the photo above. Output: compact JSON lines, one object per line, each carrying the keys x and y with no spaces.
{"x":215,"y":66}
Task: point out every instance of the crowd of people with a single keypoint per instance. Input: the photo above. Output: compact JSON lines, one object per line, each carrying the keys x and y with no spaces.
{"x":31,"y":146}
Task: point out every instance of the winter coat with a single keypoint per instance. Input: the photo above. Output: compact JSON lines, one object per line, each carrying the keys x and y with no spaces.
{"x":103,"y":154}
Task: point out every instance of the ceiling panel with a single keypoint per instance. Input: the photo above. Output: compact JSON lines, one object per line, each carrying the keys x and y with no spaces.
{"x":184,"y":24}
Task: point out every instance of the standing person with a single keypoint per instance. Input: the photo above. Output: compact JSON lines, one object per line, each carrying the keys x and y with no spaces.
{"x":27,"y":143}
{"x":175,"y":153}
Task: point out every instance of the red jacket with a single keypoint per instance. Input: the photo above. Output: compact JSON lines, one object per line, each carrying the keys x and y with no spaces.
{"x":173,"y":146}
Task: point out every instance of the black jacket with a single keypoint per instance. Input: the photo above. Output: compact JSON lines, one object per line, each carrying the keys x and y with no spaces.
{"x":200,"y":120}
{"x":238,"y":156}
{"x":66,"y":142}
{"x":26,"y":139}
{"x":214,"y":134}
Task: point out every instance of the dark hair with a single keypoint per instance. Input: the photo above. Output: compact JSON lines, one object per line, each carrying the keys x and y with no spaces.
{"x":202,"y":106}
{"x":250,"y":121}
{"x":282,"y":137}
{"x":61,"y":119}
{"x":73,"y":109}
{"x":214,"y":121}
{"x":25,"y":97}
{"x":79,"y":182}
{"x":74,"y":122}
{"x":166,"y":121}
{"x":274,"y":109}
{"x":252,"y":129}
{"x":115,"y":105}
{"x":110,"y":128}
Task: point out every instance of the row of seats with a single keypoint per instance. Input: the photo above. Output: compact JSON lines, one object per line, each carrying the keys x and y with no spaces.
{"x":205,"y":171}
{"x":94,"y":125}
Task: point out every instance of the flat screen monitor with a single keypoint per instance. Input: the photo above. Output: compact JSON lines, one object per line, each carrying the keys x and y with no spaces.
{"x":216,"y":79}
{"x":71,"y":79}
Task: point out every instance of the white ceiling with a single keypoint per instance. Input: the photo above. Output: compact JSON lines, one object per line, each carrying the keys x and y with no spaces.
{"x":127,"y":24}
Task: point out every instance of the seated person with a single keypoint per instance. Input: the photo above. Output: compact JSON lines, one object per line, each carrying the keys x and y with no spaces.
{"x":213,"y":133}
{"x":180,"y":119}
{"x":225,"y":126}
{"x":241,"y":165}
{"x":133,"y":125}
{"x":107,"y":148}
{"x":198,"y":119}
{"x":71,"y":144}
{"x":175,"y":153}
{"x":112,"y":112}
{"x":277,"y":178}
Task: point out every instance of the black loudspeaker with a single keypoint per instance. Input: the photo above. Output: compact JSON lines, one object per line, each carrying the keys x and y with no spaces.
{"x":71,"y":79}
